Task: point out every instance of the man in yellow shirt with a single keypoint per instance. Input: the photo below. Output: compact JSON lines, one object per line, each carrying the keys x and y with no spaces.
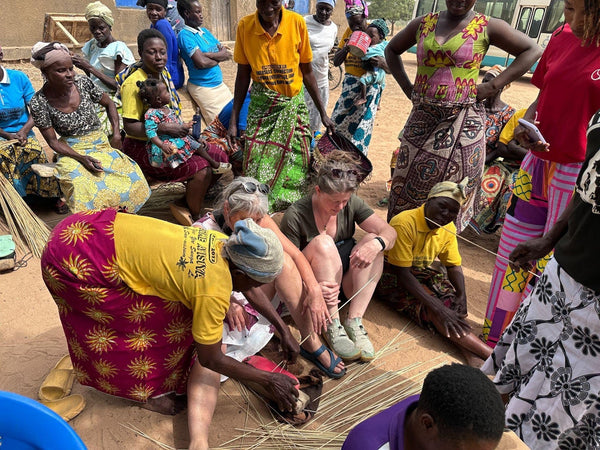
{"x":430,"y":297}
{"x":272,"y":48}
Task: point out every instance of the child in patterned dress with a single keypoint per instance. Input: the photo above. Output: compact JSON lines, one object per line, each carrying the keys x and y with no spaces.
{"x":164,"y":149}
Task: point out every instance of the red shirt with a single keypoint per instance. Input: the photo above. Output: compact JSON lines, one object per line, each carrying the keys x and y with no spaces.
{"x":568,"y":76}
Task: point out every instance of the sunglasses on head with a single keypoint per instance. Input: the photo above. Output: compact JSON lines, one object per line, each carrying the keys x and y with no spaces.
{"x":251,"y":188}
{"x":350,"y":174}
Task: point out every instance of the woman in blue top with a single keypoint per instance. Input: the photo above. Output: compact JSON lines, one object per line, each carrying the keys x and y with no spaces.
{"x":157,"y":10}
{"x":16,"y":158}
{"x":202,"y":53}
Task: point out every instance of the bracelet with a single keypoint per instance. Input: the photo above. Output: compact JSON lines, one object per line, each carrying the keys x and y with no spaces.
{"x":381,"y":241}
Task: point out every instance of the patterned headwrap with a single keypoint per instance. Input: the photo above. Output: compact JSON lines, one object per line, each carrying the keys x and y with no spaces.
{"x":255,"y":250}
{"x":356,"y":8}
{"x":381,"y":25}
{"x":451,"y":190}
{"x":58,"y":52}
{"x":98,"y":10}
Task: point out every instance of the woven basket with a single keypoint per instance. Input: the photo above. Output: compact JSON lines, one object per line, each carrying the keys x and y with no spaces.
{"x":335,"y":141}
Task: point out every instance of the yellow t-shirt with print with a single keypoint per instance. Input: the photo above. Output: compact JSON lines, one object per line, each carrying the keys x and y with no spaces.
{"x":275,"y":60}
{"x":417,"y":245}
{"x":353,"y":64}
{"x":179,"y":264}
{"x":508,"y":132}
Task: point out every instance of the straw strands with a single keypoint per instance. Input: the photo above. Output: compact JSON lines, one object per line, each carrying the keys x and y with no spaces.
{"x":365,"y":390}
{"x":27,"y":229}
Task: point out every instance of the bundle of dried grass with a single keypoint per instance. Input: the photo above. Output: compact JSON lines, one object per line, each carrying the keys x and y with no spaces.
{"x":365,"y":390}
{"x":27,"y":229}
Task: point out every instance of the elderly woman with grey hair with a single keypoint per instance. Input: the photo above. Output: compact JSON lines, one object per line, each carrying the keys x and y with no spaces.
{"x":296,"y":286}
{"x":322,"y":225}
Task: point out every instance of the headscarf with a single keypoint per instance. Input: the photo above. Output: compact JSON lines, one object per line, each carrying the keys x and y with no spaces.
{"x":381,"y":26}
{"x":328,"y":2}
{"x":255,"y":250}
{"x":59,"y":52}
{"x":356,"y":8}
{"x":98,"y":10}
{"x":451,"y":190}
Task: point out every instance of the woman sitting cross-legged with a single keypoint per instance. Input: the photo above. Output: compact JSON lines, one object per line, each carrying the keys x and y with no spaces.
{"x":322,"y":225}
{"x":92,"y":171}
{"x":296,"y":286}
{"x":430,"y":297}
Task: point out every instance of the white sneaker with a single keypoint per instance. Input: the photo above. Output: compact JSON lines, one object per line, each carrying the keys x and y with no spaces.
{"x":339,"y":342}
{"x":358,"y":334}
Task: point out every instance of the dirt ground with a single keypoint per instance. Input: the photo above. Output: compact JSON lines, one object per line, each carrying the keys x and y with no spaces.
{"x":33,"y":341}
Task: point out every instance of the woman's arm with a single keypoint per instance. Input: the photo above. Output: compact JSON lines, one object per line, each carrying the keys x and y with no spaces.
{"x":113,"y":118}
{"x":533,"y":249}
{"x":365,"y":252}
{"x":526,"y":51}
{"x":457,"y":279}
{"x":280,"y":386}
{"x":21,"y":135}
{"x":311,"y":86}
{"x":204,"y":60}
{"x":314,"y":301}
{"x":242,"y":83}
{"x":82,"y":63}
{"x":400,"y":43}
{"x":445,"y":320}
{"x":91,"y":164}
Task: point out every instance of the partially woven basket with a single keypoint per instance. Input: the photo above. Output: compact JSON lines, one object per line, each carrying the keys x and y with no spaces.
{"x":335,"y":141}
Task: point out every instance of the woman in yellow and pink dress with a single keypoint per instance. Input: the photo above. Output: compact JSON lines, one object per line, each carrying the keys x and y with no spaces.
{"x":444,"y":136}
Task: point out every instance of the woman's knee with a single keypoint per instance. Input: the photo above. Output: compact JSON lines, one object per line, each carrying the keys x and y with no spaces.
{"x":321,"y":246}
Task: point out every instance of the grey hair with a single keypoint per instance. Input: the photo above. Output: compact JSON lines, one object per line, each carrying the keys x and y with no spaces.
{"x":324,"y":178}
{"x":255,"y":204}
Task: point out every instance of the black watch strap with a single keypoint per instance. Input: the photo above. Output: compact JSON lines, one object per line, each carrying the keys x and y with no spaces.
{"x":381,"y":241}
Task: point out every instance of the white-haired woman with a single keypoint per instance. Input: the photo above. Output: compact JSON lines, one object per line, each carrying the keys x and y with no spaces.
{"x":296,"y":286}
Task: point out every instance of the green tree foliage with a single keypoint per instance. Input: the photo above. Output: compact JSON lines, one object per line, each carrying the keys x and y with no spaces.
{"x":391,"y":10}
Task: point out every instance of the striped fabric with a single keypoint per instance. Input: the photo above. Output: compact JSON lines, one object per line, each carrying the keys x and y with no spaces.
{"x":542,"y":192}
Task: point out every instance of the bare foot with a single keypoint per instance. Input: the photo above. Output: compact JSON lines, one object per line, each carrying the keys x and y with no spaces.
{"x":472,"y":359}
{"x":360,"y":101}
{"x":169,"y":404}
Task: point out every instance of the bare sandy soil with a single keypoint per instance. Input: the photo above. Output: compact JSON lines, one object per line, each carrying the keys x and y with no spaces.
{"x":33,"y":341}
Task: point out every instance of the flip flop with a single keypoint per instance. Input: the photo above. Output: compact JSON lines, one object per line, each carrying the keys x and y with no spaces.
{"x":68,"y":407}
{"x":59,"y":382}
{"x":223,"y":168}
{"x":313,"y":357}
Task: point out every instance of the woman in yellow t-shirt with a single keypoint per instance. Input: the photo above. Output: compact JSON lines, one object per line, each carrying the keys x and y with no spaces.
{"x":137,"y":297}
{"x":272,"y":48}
{"x":430,"y":297}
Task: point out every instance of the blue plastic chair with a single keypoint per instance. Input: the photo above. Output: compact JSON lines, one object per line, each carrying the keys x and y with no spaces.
{"x":26,"y":425}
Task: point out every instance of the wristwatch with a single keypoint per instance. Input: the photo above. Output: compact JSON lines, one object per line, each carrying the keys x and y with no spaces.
{"x":381,"y":241}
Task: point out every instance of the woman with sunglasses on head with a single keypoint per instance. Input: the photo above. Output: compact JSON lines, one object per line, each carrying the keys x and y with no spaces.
{"x":296,"y":286}
{"x":322,"y":225}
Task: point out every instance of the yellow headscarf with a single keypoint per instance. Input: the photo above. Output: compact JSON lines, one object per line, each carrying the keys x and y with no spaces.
{"x":451,"y":190}
{"x":98,"y":10}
